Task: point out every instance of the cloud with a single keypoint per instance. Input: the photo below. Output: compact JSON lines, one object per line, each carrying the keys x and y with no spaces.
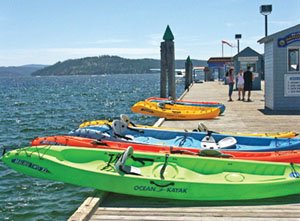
{"x":154,"y":39}
{"x":283,"y":23}
{"x":101,"y":51}
{"x":102,"y":42}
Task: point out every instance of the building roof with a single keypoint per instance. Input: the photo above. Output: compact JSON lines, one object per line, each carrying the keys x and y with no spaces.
{"x":220,"y":59}
{"x":247,"y":52}
{"x":273,"y":36}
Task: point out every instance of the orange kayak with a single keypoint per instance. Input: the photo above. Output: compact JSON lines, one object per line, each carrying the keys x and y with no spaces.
{"x":290,"y":156}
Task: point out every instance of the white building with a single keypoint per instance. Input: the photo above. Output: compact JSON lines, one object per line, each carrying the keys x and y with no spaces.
{"x":282,"y":74}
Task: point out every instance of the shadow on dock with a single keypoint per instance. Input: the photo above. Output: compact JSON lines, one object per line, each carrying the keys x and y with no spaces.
{"x":120,"y":200}
{"x":279,"y":112}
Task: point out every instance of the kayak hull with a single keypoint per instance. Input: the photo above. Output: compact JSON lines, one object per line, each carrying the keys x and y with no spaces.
{"x":184,"y":177}
{"x":175,"y":112}
{"x":191,"y":139}
{"x":287,"y":134}
{"x":292,"y":156}
{"x":190,"y":103}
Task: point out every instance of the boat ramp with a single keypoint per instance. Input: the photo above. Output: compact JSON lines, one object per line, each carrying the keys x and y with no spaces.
{"x":239,"y":116}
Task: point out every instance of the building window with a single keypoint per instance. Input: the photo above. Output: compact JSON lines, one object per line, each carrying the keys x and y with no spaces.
{"x":293,"y":59}
{"x":244,"y":66}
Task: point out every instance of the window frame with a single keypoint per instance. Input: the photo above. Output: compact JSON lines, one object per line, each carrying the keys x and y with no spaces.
{"x":288,"y":59}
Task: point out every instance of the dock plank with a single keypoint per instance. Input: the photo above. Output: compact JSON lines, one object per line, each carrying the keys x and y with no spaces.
{"x":124,"y":207}
{"x":238,"y":117}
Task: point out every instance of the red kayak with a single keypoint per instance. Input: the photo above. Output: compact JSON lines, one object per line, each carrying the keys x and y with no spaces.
{"x":181,"y":101}
{"x":291,"y":156}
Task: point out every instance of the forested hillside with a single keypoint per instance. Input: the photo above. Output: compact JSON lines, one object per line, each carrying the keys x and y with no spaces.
{"x":20,"y":70}
{"x":106,"y":65}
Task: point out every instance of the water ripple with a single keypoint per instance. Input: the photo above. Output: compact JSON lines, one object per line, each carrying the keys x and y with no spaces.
{"x":44,"y":106}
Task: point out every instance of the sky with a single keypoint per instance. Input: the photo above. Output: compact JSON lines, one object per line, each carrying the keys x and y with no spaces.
{"x":48,"y":31}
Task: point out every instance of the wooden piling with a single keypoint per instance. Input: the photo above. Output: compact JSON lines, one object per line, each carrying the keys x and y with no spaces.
{"x":167,"y":65}
{"x":188,"y":72}
{"x":163,"y":71}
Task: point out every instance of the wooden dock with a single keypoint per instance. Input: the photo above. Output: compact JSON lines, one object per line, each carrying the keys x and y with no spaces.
{"x":238,"y":117}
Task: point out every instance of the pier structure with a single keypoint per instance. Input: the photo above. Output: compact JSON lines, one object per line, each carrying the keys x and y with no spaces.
{"x":188,"y":73}
{"x":239,"y":116}
{"x":167,"y":63}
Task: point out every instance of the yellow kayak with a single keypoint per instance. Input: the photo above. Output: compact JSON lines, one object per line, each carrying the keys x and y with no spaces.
{"x":287,"y":134}
{"x":178,"y":112}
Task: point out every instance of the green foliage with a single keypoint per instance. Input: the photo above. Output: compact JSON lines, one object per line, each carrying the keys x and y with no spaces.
{"x":101,"y":65}
{"x":20,"y":70}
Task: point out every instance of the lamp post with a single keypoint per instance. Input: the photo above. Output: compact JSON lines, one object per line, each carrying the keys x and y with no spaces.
{"x":266,"y":10}
{"x":238,"y":37}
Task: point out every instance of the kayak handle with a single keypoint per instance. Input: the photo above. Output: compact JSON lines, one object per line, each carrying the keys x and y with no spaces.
{"x":164,"y":185}
{"x":3,"y":151}
{"x":99,"y":142}
{"x":164,"y":167}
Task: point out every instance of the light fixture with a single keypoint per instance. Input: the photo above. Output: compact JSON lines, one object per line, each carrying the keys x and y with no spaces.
{"x":266,"y":10}
{"x":238,"y":37}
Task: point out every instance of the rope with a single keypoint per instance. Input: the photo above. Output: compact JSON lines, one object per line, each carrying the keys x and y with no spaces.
{"x":111,"y":160}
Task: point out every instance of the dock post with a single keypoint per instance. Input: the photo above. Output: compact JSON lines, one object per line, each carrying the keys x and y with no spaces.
{"x":163,"y":71}
{"x":188,"y":72}
{"x":167,"y":65}
{"x":191,"y":71}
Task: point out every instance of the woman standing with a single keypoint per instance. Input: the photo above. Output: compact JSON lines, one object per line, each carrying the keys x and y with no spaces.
{"x":230,"y":81}
{"x":240,"y":84}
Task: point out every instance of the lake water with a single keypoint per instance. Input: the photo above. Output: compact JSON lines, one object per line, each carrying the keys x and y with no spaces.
{"x":44,"y":106}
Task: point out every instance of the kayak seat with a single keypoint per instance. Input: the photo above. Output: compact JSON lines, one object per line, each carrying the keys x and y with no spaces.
{"x":119,"y":127}
{"x":161,"y":105}
{"x":120,"y":164}
{"x":124,"y":118}
{"x":208,"y":142}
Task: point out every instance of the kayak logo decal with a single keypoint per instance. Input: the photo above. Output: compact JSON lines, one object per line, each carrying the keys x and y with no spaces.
{"x":30,"y":165}
{"x":47,"y":142}
{"x":146,"y":110}
{"x":160,"y":189}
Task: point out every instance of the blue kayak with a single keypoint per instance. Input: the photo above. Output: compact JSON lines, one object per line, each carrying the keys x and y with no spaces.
{"x":202,"y":140}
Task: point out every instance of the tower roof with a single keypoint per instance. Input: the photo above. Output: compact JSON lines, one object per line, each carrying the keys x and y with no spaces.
{"x":168,"y":36}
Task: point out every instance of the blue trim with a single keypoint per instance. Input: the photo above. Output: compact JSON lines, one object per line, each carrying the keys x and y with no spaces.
{"x":288,"y":39}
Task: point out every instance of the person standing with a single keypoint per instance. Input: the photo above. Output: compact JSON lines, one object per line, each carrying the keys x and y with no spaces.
{"x":230,"y":81}
{"x":240,"y":84}
{"x":248,"y":78}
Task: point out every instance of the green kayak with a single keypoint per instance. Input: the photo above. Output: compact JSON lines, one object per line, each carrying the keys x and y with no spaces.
{"x":157,"y":175}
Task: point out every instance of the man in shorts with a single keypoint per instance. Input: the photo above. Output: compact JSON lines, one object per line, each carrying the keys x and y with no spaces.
{"x":248,"y":78}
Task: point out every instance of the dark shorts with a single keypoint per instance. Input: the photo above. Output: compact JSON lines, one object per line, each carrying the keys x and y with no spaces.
{"x":248,"y":87}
